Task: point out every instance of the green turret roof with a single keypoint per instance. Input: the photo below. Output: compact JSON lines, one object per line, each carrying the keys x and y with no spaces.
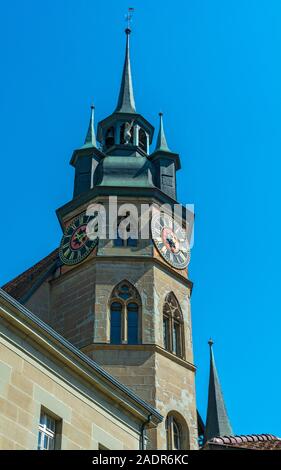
{"x":161,"y":144}
{"x":217,"y":423}
{"x":126,"y":101}
{"x":90,"y":140}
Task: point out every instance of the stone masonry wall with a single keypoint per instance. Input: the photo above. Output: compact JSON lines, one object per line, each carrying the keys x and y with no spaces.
{"x":25,"y":386}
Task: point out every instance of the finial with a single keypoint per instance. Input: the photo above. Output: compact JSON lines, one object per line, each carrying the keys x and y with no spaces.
{"x":126,"y":101}
{"x":129,"y":16}
{"x":210,"y":342}
{"x":92,"y":106}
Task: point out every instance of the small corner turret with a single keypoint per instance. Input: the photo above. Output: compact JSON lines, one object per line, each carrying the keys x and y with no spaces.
{"x":166,"y":163}
{"x":85,"y":160}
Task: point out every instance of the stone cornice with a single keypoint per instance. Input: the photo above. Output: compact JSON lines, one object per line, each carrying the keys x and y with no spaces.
{"x":128,"y":192}
{"x":140,"y":347}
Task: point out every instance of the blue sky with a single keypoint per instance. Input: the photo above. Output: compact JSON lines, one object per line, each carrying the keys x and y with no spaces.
{"x":213,"y":68}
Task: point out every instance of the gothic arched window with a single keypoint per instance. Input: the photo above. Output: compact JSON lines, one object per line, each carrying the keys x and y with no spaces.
{"x":125,"y":314}
{"x":177,"y":433}
{"x":109,"y":137}
{"x":173,"y":331}
{"x":142,"y":139}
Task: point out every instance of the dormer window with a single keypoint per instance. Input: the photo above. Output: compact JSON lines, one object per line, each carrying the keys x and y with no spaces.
{"x":142,"y":139}
{"x":109,"y":137}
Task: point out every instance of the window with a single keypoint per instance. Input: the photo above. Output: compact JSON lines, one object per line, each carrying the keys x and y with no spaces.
{"x":177,"y":433}
{"x":166,"y":332}
{"x":121,"y":240}
{"x":142,"y":140}
{"x":109,"y":137}
{"x":49,"y":432}
{"x":176,"y":338}
{"x":132,"y":311}
{"x":115,"y":323}
{"x":133,"y":242}
{"x":118,"y":241}
{"x":173,"y":331}
{"x":125,"y":306}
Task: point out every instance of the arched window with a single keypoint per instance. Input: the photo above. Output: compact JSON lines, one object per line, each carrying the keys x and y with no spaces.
{"x":142,"y":139}
{"x":109,"y":137}
{"x":173,"y":327}
{"x":125,"y":314}
{"x":177,"y":433}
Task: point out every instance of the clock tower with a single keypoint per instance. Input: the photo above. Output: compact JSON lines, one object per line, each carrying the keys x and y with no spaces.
{"x":125,"y":300}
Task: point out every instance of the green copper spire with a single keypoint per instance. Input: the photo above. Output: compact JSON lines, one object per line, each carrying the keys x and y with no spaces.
{"x":126,"y":101}
{"x":217,"y":420}
{"x":90,"y":140}
{"x":161,"y":144}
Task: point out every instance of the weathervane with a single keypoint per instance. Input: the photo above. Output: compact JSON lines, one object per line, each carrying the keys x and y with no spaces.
{"x":129,"y":16}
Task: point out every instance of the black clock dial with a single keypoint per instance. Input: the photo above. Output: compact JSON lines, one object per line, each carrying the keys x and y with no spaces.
{"x":171,"y":241}
{"x":76,"y":245}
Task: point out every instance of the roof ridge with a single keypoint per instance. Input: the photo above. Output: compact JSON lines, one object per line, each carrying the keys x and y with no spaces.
{"x":16,"y":287}
{"x":247,"y":437}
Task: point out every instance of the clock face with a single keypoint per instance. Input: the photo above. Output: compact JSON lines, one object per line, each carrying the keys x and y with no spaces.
{"x":171,"y":240}
{"x":75,"y":245}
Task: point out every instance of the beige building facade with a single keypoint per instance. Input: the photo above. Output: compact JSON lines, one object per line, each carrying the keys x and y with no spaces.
{"x":41,"y":373}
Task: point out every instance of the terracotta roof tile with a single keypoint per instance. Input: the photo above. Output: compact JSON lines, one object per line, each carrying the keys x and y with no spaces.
{"x":250,"y":441}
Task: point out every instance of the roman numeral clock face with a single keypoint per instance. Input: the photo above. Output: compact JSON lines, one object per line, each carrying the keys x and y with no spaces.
{"x":75,"y":245}
{"x":171,"y":241}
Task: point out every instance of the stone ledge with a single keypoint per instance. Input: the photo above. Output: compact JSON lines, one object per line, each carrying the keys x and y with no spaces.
{"x":138,"y":347}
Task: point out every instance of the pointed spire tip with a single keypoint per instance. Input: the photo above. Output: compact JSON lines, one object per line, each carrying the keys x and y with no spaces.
{"x":217,"y":422}
{"x":126,"y":100}
{"x":161,"y":144}
{"x":90,"y":140}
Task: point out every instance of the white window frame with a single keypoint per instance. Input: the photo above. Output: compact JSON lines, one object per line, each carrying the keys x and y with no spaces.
{"x":45,"y":431}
